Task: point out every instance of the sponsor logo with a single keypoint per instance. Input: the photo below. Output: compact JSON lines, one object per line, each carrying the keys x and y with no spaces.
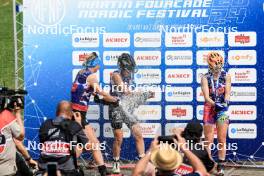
{"x":116,"y":40}
{"x":210,"y":39}
{"x":243,"y":94}
{"x":170,"y":126}
{"x":199,"y":94}
{"x":148,"y":112}
{"x":108,"y":131}
{"x":199,"y":112}
{"x":93,"y":112}
{"x":200,"y":72}
{"x":179,"y":76}
{"x":178,"y":57}
{"x":156,"y":89}
{"x":179,"y":94}
{"x":242,"y":57}
{"x":148,"y":76}
{"x":90,"y":40}
{"x":147,"y":57}
{"x":243,"y":75}
{"x":242,"y":39}
{"x":242,"y":131}
{"x":150,"y":130}
{"x":243,"y":112}
{"x":178,"y":39}
{"x":78,"y":57}
{"x":96,"y":128}
{"x":179,"y":112}
{"x":147,"y":39}
{"x":110,"y":57}
{"x":107,"y":75}
{"x":201,"y":56}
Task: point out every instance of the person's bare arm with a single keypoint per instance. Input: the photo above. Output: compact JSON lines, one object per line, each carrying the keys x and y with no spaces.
{"x":22,"y":149}
{"x":93,"y":82}
{"x":205,"y":90}
{"x":143,"y":162}
{"x":228,"y":87}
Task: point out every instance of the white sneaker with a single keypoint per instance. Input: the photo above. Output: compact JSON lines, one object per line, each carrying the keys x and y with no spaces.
{"x":116,"y":167}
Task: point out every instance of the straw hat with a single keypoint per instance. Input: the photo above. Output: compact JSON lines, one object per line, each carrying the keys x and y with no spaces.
{"x":166,"y":158}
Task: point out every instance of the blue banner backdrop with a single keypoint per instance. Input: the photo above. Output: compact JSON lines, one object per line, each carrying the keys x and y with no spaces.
{"x":169,"y":40}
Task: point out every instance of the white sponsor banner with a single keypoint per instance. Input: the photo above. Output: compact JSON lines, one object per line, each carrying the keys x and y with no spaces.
{"x":199,"y":95}
{"x":148,"y":112}
{"x":242,"y":39}
{"x":170,"y":126}
{"x":147,"y":39}
{"x":106,"y":112}
{"x":199,"y":112}
{"x":78,"y":57}
{"x":210,"y":39}
{"x":243,"y":75}
{"x":148,"y":76}
{"x":107,"y":74}
{"x":242,"y":131}
{"x":179,"y":94}
{"x":178,"y":76}
{"x":201,"y":56}
{"x":179,"y":112}
{"x":200,"y":72}
{"x":110,"y":57}
{"x":75,"y":72}
{"x":93,"y":112}
{"x":145,"y":58}
{"x":113,"y":40}
{"x":243,"y":94}
{"x":242,"y":112}
{"x":150,"y":130}
{"x":242,"y":57}
{"x":96,"y":128}
{"x":184,"y":39}
{"x":155,"y":88}
{"x":108,"y":131}
{"x":89,"y":40}
{"x":179,"y":57}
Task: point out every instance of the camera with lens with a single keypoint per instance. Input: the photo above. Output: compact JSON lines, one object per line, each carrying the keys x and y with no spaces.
{"x":11,"y":98}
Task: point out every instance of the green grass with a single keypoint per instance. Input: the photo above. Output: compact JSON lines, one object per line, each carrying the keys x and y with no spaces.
{"x":7,"y":60}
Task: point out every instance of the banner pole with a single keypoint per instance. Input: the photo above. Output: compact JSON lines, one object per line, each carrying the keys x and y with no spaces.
{"x":15,"y":44}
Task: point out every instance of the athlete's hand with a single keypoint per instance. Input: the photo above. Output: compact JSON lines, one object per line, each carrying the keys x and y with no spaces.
{"x":78,"y":117}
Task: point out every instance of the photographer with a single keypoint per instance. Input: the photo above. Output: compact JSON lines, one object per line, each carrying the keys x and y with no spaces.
{"x":192,"y":134}
{"x":57,"y":137}
{"x":166,"y":159}
{"x":11,"y":126}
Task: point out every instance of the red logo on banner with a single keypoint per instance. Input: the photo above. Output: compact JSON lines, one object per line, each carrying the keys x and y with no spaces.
{"x":242,"y":112}
{"x":82,"y":57}
{"x":179,"y":112}
{"x":242,"y":39}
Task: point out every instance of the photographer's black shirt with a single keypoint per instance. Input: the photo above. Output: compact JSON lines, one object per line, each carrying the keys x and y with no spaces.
{"x":49,"y":136}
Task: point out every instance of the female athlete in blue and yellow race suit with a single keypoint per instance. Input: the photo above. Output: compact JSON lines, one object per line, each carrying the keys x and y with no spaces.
{"x":216,"y":87}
